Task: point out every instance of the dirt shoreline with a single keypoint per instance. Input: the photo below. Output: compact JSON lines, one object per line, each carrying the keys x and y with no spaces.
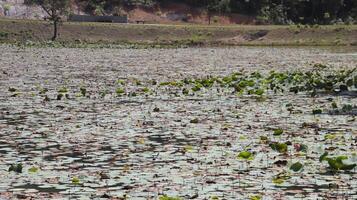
{"x":22,"y":31}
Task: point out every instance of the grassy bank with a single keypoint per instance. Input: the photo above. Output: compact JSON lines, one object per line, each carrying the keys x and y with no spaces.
{"x":77,"y":34}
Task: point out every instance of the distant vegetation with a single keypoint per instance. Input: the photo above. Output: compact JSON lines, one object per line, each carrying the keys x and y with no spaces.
{"x":266,"y":11}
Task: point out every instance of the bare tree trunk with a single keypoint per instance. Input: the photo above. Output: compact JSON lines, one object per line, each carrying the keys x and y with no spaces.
{"x":55,"y":30}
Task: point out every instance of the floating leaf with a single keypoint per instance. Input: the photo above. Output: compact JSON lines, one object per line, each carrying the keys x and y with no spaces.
{"x":323,"y":156}
{"x":120,"y":91}
{"x":334,"y":105}
{"x":146,"y":90}
{"x":75,"y":180}
{"x":256,"y":197}
{"x":214,"y":198}
{"x":296,"y":167}
{"x":83,"y":91}
{"x":348,"y":167}
{"x":63,"y":90}
{"x":347,"y":108}
{"x":12,"y":89}
{"x":122,"y":82}
{"x":316,"y":111}
{"x":245,"y":155}
{"x":301,"y":147}
{"x":264,"y":139}
{"x":33,"y":170}
{"x":188,"y":148}
{"x":59,"y":96}
{"x":278,"y":181}
{"x":242,"y":137}
{"x":141,"y":141}
{"x":194,"y":121}
{"x":330,"y":136}
{"x":279,"y":147}
{"x":185,"y":91}
{"x":336,"y":163}
{"x":281,"y":178}
{"x":16,"y":168}
{"x":278,"y":131}
{"x":165,"y":197}
{"x":197,"y":87}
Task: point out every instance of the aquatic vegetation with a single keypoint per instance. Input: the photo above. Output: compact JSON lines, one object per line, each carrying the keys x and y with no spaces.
{"x":330,"y":136}
{"x":194,"y":121}
{"x":316,"y":111}
{"x":149,"y":134}
{"x":336,"y":163}
{"x":281,"y":178}
{"x":59,"y":96}
{"x":16,"y":168}
{"x":33,"y":169}
{"x":278,"y":131}
{"x":11,"y":89}
{"x":120,"y":91}
{"x":165,"y":197}
{"x":347,"y":108}
{"x":264,"y":139}
{"x":146,"y":90}
{"x":121,"y":82}
{"x":296,"y":167}
{"x":256,"y":197}
{"x":197,"y":87}
{"x":103,"y":93}
{"x":83,"y":91}
{"x":141,"y":141}
{"x":334,"y":105}
{"x":75,"y":181}
{"x":172,"y":83}
{"x":185,"y":91}
{"x":62,"y":90}
{"x":301,"y":147}
{"x":138,"y":82}
{"x":279,"y":147}
{"x":188,"y":148}
{"x":246,"y":155}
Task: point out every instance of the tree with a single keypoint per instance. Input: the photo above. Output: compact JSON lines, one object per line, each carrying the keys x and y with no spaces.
{"x":211,"y":6}
{"x":216,"y":6}
{"x":55,"y":9}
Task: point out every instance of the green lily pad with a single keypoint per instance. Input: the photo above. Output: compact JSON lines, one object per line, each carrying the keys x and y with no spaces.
{"x":316,"y":111}
{"x":33,"y":170}
{"x":279,"y":147}
{"x":278,"y":131}
{"x":245,"y":155}
{"x":165,"y":197}
{"x":120,"y":91}
{"x":296,"y":167}
{"x":75,"y":180}
{"x":16,"y":168}
{"x":256,"y":197}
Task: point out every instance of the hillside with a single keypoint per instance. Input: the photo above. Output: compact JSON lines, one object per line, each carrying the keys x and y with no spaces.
{"x":197,"y":11}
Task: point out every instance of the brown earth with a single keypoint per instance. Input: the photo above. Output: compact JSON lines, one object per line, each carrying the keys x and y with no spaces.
{"x":185,"y":13}
{"x":25,"y":30}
